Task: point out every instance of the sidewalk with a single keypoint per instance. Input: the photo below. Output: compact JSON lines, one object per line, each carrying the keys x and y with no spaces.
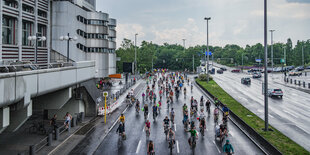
{"x":94,"y":132}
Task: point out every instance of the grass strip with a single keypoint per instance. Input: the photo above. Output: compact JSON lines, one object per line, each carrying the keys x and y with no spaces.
{"x":276,"y":138}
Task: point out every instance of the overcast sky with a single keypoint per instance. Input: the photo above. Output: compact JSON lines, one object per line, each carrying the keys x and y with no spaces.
{"x":232,"y":21}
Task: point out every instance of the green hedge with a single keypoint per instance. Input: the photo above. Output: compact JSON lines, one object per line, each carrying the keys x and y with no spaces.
{"x":276,"y":138}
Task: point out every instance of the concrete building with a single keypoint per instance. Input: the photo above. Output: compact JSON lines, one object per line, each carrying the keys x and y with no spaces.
{"x":95,"y":33}
{"x":21,"y":19}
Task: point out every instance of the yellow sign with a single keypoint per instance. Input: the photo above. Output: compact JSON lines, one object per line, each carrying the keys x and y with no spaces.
{"x":105,"y":94}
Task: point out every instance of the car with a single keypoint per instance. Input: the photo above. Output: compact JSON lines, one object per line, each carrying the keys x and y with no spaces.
{"x":300,"y":68}
{"x":223,"y":69}
{"x":235,"y":71}
{"x":290,"y":67}
{"x":253,"y":70}
{"x":308,"y":67}
{"x":275,"y":92}
{"x":212,"y":71}
{"x":219,"y":71}
{"x":246,"y":81}
{"x":257,"y":75}
{"x":294,"y":73}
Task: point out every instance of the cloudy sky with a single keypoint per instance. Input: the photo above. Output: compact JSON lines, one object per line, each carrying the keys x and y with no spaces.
{"x":232,"y":21}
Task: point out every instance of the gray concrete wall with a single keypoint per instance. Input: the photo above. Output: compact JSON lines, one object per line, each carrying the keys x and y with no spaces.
{"x":72,"y":106}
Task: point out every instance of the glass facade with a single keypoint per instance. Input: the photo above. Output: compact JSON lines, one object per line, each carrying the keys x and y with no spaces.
{"x":42,"y":31}
{"x":27,"y":31}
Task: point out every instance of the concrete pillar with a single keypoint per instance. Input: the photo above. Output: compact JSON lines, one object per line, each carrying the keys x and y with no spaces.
{"x":57,"y":133}
{"x":4,"y":118}
{"x":82,"y":116}
{"x":18,"y":116}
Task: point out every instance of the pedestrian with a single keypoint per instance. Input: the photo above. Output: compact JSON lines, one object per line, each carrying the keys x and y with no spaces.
{"x":68,"y":119}
{"x":53,"y":122}
{"x":227,"y":148}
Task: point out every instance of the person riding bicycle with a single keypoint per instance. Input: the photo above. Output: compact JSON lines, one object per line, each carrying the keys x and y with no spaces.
{"x":150,"y":148}
{"x":201,"y":114}
{"x":171,"y":135}
{"x":192,"y":125}
{"x":208,"y":105}
{"x":121,"y":129}
{"x":146,"y":110}
{"x":194,"y":134}
{"x":225,"y":110}
{"x":225,"y":119}
{"x":172,"y":114}
{"x":122,"y":119}
{"x":166,"y":122}
{"x":184,"y":107}
{"x":201,"y":99}
{"x":185,"y":116}
{"x":154,"y":110}
{"x":192,"y":86}
{"x":216,"y":113}
{"x":223,"y":131}
{"x":227,"y":148}
{"x":138,"y":105}
{"x":217,"y":102}
{"x":148,"y":126}
{"x":202,"y":123}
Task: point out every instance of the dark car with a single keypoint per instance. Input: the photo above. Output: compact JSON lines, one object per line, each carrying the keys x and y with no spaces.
{"x":212,"y":71}
{"x":300,"y":68}
{"x":308,"y":67}
{"x":235,"y":71}
{"x":219,"y":71}
{"x":223,"y":69}
{"x":246,"y":81}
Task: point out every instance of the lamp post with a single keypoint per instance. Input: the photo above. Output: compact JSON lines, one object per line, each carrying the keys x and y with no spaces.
{"x":36,"y":38}
{"x":184,"y":43}
{"x":207,"y":19}
{"x":266,"y":65}
{"x":271,"y":31}
{"x":68,"y":38}
{"x":136,"y":53}
{"x":302,"y":54}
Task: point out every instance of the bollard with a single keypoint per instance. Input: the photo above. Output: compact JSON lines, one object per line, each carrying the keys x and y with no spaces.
{"x":291,"y":81}
{"x":304,"y":84}
{"x":309,"y":85}
{"x":57,"y":134}
{"x":32,"y":150}
{"x":305,"y":73}
{"x":82,"y":116}
{"x":298,"y":83}
{"x":295,"y":82}
{"x":74,"y":121}
{"x":69,"y":126}
{"x":49,"y":139}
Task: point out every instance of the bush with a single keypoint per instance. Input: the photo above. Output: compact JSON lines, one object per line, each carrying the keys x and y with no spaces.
{"x":203,"y":77}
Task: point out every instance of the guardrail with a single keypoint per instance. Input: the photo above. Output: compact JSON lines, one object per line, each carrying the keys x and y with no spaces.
{"x":266,"y":147}
{"x":31,"y":66}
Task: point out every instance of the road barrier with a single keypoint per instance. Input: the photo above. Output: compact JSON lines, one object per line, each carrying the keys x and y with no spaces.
{"x":291,"y":81}
{"x":298,"y":83}
{"x":304,"y":84}
{"x":268,"y":147}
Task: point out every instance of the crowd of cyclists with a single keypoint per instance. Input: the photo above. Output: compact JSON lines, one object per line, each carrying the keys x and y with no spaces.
{"x":169,"y":86}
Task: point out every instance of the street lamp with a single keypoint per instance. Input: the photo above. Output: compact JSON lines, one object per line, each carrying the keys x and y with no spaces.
{"x":207,"y":19}
{"x":184,"y":43}
{"x":68,"y":38}
{"x":136,"y":53}
{"x":36,"y":38}
{"x":266,"y":65}
{"x":271,"y":31}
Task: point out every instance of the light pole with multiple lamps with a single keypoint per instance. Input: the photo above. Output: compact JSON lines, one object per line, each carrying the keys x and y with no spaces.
{"x":266,"y":65}
{"x":207,"y":19}
{"x":68,"y":38}
{"x":36,"y":38}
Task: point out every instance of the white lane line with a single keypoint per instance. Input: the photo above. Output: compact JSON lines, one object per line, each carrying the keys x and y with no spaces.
{"x":143,"y":129}
{"x":216,"y":147}
{"x":178,"y":150}
{"x":271,"y":116}
{"x":302,"y":129}
{"x":148,"y":116}
{"x":231,"y":133}
{"x":138,"y":148}
{"x":290,"y":113}
{"x":175,"y":127}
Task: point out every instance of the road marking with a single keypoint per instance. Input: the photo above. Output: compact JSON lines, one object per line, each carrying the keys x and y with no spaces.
{"x":178,"y":150}
{"x":148,"y":116}
{"x":291,"y":113}
{"x":138,"y":148}
{"x":271,"y":116}
{"x":216,"y":147}
{"x":175,"y":127}
{"x":302,"y":129}
{"x":231,"y":133}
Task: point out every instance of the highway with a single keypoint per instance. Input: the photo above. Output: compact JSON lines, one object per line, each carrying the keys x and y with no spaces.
{"x":136,"y":138}
{"x":289,"y":115}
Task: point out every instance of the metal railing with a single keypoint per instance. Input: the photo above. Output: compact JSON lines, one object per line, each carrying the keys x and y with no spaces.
{"x":31,"y":66}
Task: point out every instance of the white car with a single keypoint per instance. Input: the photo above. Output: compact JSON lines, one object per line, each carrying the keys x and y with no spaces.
{"x":275,"y":92}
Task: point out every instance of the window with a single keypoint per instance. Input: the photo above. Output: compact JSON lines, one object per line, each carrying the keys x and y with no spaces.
{"x":9,"y":30}
{"x":27,"y":31}
{"x":11,"y":3}
{"x":27,"y":8}
{"x":42,"y":32}
{"x":42,"y":13}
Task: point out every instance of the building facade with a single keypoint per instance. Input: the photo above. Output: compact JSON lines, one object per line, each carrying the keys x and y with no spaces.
{"x":95,"y":33}
{"x":94,"y":30}
{"x":21,"y":19}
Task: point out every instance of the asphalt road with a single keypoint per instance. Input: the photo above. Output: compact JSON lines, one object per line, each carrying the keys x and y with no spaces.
{"x":289,"y":115}
{"x":136,"y":139}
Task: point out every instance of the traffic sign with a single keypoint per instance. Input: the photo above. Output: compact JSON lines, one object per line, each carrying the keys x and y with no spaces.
{"x":282,"y":61}
{"x":258,"y":60}
{"x":105,"y":94}
{"x":210,"y":53}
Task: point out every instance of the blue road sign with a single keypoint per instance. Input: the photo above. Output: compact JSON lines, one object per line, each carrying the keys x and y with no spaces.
{"x":258,"y":60}
{"x":210,"y":53}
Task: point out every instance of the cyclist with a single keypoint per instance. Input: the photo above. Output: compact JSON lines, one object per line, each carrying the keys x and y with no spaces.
{"x":223,"y":131}
{"x":184,"y":92}
{"x":172,"y":114}
{"x":216,"y":114}
{"x":193,"y":125}
{"x":154,"y":97}
{"x":166,"y":122}
{"x":159,"y":106}
{"x":201,"y":114}
{"x":216,"y":101}
{"x":148,"y":126}
{"x":194,"y":134}
{"x":225,"y":110}
{"x":121,"y":129}
{"x":171,"y":135}
{"x":185,"y":116}
{"x":191,"y":86}
{"x":143,"y":96}
{"x":154,"y":111}
{"x":122,"y":119}
{"x":202,"y":124}
{"x":146,"y":110}
{"x":208,"y":105}
{"x":227,"y":148}
{"x":201,"y":99}
{"x":150,"y":148}
{"x":184,"y":107}
{"x":137,"y":105}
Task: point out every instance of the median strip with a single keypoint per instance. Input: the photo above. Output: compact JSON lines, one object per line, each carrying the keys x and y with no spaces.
{"x":284,"y":144}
